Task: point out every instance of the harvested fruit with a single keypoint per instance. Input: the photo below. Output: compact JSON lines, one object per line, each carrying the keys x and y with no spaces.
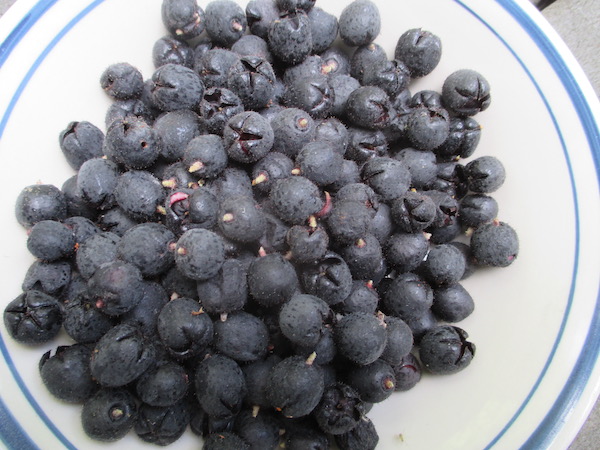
{"x":269,"y":234}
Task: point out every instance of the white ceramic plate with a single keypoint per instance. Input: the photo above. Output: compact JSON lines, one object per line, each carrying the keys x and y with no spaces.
{"x":536,"y":323}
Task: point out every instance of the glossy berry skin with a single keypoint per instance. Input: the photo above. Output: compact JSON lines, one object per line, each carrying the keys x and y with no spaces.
{"x":214,"y":65}
{"x":256,"y":374}
{"x":466,"y":92}
{"x":52,"y":278}
{"x":364,"y":258}
{"x":132,"y":142}
{"x":191,"y":208}
{"x":428,"y":127}
{"x":405,"y":251}
{"x":40,"y":202}
{"x":374,"y":382}
{"x":387,"y":177}
{"x":365,"y":144}
{"x":184,"y":19}
{"x":147,"y":246}
{"x":420,"y":50}
{"x":109,"y":415}
{"x":121,"y":356}
{"x":227,"y":291}
{"x":116,"y":287}
{"x":199,"y":254}
{"x":324,"y":29}
{"x":294,"y":199}
{"x":391,"y":76}
{"x":272,"y":167}
{"x":362,"y":437}
{"x":247,"y":137}
{"x":184,"y":328}
{"x":485,"y":174}
{"x":302,"y":318}
{"x":164,"y":385}
{"x":81,"y":141}
{"x":50,"y":240}
{"x":138,"y":193}
{"x":320,"y":163}
{"x":477,"y":209}
{"x":342,"y":85}
{"x":83,"y":322}
{"x":340,"y":409}
{"x":172,"y":50}
{"x":76,"y":205}
{"x":242,"y":336}
{"x":494,"y":244}
{"x":444,"y":265}
{"x":348,"y":221}
{"x":252,"y":78}
{"x":362,"y":298}
{"x":176,"y":87}
{"x":97,"y":180}
{"x":369,"y":107}
{"x":407,"y":373}
{"x":365,"y":56}
{"x":302,"y":434}
{"x":359,"y":23}
{"x":328,"y":278}
{"x":272,"y":280}
{"x":445,"y":350}
{"x":33,"y":318}
{"x":218,"y":106}
{"x":297,"y":386}
{"x":95,"y":251}
{"x":66,"y":373}
{"x":145,"y":314}
{"x":252,"y":45}
{"x":413,"y":212}
{"x":119,"y":109}
{"x":241,"y":219}
{"x":258,"y":430}
{"x":290,"y":38}
{"x":122,"y":81}
{"x":260,"y":14}
{"x":220,"y":386}
{"x":205,"y":156}
{"x":360,"y":337}
{"x":174,"y":130}
{"x":293,"y":128}
{"x":408,"y":297}
{"x":233,"y":181}
{"x":311,"y":94}
{"x":452,"y":303}
{"x":162,"y":425}
{"x":400,"y":340}
{"x":225,"y":22}
{"x":307,"y":244}
{"x":462,"y":141}
{"x":224,"y":440}
{"x":421,"y":164}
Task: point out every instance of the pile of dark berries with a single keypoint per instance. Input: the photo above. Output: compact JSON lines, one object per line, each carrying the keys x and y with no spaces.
{"x":268,"y":237}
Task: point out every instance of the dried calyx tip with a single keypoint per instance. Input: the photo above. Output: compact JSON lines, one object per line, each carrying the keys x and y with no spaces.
{"x":311,"y":358}
{"x":196,"y":166}
{"x":261,"y":178}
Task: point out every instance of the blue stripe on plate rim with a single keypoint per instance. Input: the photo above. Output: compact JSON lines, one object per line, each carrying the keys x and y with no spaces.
{"x":14,"y":436}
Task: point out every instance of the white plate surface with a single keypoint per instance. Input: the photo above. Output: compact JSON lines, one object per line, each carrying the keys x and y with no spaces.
{"x":536,"y":324}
